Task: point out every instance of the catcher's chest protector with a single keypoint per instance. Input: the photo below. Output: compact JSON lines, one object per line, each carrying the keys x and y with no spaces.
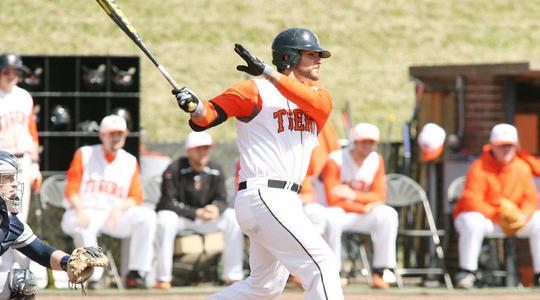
{"x":11,"y":228}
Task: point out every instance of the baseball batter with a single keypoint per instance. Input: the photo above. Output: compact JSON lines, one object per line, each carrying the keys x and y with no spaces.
{"x":354,"y":180}
{"x":16,"y":234}
{"x":278,"y":119}
{"x":104,"y":195}
{"x":18,"y":132}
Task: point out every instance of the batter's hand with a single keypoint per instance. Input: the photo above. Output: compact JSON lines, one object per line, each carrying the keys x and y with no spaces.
{"x":187,"y":100}
{"x":255,"y":66}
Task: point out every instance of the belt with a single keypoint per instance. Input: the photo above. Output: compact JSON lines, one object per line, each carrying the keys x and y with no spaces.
{"x":278,"y":184}
{"x":19,"y":155}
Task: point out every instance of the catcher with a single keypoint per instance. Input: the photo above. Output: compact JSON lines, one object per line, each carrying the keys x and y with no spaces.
{"x":21,"y":283}
{"x":499,"y":195}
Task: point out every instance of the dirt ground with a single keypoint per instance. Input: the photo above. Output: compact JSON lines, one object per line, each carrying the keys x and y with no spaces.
{"x":351,"y":293}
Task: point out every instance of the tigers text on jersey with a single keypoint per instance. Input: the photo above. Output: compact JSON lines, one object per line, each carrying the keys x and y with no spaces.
{"x":277,"y":143}
{"x":15,"y":117}
{"x":104,"y":183}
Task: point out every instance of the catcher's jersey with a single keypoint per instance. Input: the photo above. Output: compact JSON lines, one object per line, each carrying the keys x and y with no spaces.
{"x":13,"y":233}
{"x":16,"y":113}
{"x":276,"y":143}
{"x":104,"y":184}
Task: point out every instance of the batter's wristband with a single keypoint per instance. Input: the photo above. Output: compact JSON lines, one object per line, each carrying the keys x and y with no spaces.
{"x":267,"y":70}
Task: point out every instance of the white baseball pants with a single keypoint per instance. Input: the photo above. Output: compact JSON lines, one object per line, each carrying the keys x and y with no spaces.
{"x":282,"y":239}
{"x":329,"y":223}
{"x":137,"y":222}
{"x":382,"y":224}
{"x":473,"y":227}
{"x":169,"y":224}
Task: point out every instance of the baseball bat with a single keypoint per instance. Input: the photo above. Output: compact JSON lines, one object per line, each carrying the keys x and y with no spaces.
{"x":117,"y":15}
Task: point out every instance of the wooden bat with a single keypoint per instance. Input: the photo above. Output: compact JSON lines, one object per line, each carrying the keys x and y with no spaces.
{"x":117,"y":15}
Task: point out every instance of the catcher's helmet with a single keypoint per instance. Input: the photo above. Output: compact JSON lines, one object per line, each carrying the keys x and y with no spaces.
{"x":10,"y":187}
{"x":11,"y":60}
{"x":288,"y":43}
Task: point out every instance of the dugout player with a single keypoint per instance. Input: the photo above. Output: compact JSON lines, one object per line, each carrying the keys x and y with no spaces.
{"x":18,"y":133}
{"x":497,"y":176}
{"x":354,"y":180}
{"x":193,"y":197}
{"x":16,"y":234}
{"x":278,"y":118}
{"x":104,"y":195}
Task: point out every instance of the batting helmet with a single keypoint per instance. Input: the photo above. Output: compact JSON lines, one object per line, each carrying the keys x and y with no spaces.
{"x":288,"y":43}
{"x":11,"y":60}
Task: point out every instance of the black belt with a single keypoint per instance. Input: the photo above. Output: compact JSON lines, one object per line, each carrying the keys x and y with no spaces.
{"x":278,"y":184}
{"x":19,"y":155}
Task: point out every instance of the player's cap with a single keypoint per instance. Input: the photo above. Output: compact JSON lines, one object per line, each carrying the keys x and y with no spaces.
{"x":431,"y":141}
{"x":503,"y":134}
{"x":365,"y":132}
{"x":198,"y":139}
{"x":113,"y":123}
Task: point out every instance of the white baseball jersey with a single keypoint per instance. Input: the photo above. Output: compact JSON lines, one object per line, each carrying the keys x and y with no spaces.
{"x":104,"y":184}
{"x":277,"y":143}
{"x":16,"y":112}
{"x":359,"y":178}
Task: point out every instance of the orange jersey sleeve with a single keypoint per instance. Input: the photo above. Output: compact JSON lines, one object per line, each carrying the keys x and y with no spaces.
{"x":74,"y":175}
{"x":330,"y":178}
{"x":531,"y":160}
{"x":241,"y":100}
{"x":135,"y":189}
{"x":311,"y":97}
{"x":32,"y":127}
{"x":377,"y":189}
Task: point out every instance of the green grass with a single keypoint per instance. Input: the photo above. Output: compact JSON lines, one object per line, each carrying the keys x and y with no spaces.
{"x":373,"y":44}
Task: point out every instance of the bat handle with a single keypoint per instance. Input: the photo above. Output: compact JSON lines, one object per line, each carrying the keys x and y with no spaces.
{"x":169,"y":78}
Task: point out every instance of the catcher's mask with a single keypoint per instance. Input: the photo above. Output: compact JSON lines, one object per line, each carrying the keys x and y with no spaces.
{"x":288,"y":43}
{"x":11,"y":189}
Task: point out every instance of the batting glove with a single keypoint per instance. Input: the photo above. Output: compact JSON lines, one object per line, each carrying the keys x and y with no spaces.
{"x":187,"y":100}
{"x":255,"y":66}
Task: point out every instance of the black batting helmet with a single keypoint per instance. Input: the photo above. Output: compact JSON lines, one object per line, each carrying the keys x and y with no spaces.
{"x":11,"y":60}
{"x":288,"y":43}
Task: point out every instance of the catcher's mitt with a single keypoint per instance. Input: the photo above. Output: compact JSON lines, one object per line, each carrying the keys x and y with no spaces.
{"x":82,"y":261}
{"x":511,"y":218}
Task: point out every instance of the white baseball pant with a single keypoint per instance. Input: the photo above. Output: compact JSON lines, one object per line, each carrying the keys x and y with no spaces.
{"x":137,"y":222}
{"x":169,"y":224}
{"x":381,"y":223}
{"x":473,"y":227}
{"x":329,"y":223}
{"x":282,"y":239}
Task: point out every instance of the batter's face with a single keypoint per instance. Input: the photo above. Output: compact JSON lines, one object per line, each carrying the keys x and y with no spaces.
{"x":199,"y":156}
{"x":308,"y":67}
{"x":113,"y":140}
{"x":504,"y":153}
{"x":9,"y":77}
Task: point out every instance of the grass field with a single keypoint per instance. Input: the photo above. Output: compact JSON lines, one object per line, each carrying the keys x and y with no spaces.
{"x":373,"y":44}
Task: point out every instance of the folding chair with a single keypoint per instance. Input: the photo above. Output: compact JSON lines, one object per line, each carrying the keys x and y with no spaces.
{"x":52,"y":193}
{"x":493,"y":269}
{"x":354,"y":246}
{"x":411,"y":201}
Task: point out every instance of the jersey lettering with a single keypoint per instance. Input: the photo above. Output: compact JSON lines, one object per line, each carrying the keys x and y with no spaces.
{"x":12,"y":118}
{"x":103,"y":186}
{"x":297,"y":120}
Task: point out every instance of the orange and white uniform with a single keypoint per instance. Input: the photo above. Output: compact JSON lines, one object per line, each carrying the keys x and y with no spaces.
{"x":368,"y":183}
{"x":102,"y":181}
{"x":477,"y":211}
{"x":18,"y":135}
{"x":277,"y":127}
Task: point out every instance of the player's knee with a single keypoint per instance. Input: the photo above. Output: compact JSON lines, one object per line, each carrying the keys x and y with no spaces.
{"x":22,"y":283}
{"x":166,"y":219}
